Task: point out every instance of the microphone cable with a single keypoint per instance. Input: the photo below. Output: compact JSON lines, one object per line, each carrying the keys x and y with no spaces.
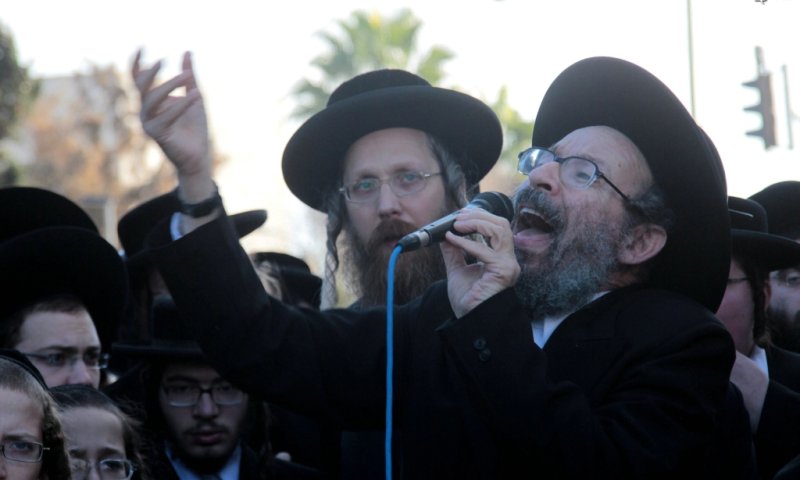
{"x":390,"y":357}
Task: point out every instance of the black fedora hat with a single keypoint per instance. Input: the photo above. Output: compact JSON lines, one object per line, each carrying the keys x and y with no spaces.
{"x":684,"y":163}
{"x":23,"y":209}
{"x":170,"y":339}
{"x":782,"y":202}
{"x":384,"y":99}
{"x":64,"y":260}
{"x":135,"y":226}
{"x":296,"y":275}
{"x":749,"y":232}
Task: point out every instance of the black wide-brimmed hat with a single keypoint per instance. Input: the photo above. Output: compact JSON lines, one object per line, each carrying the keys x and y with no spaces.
{"x":135,"y":226}
{"x":48,"y":246}
{"x":296,"y":275}
{"x":749,"y":232}
{"x":170,"y":338}
{"x":683,"y":161}
{"x":382,"y":99}
{"x":64,"y":260}
{"x":782,"y":202}
{"x":23,"y":209}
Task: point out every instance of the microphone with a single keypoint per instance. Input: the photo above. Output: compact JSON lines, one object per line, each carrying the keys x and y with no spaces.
{"x":492,"y":202}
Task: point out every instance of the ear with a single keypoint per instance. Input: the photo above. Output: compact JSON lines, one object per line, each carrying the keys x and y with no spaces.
{"x":642,"y":243}
{"x":767,"y":292}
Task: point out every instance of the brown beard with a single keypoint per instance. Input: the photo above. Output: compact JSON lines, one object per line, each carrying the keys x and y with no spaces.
{"x":366,"y":265}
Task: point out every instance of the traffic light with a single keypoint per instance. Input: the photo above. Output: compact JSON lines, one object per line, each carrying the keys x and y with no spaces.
{"x":764,"y":107}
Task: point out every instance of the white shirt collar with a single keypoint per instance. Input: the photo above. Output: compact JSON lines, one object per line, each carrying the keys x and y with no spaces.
{"x":544,"y":328}
{"x":229,"y":471}
{"x":759,"y":355}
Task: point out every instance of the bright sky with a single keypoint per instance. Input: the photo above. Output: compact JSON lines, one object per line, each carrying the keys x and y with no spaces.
{"x":249,"y":54}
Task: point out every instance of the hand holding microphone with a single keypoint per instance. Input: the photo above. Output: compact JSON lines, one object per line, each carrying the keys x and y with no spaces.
{"x":493,"y":202}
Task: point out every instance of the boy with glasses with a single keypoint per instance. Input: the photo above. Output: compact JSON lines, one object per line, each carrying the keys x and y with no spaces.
{"x":200,"y":424}
{"x":64,"y":286}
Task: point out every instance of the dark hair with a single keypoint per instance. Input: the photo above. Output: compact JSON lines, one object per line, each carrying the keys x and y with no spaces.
{"x":649,"y":208}
{"x":83,"y":396}
{"x":255,"y":431}
{"x":55,"y":463}
{"x":757,"y":278}
{"x":11,"y":326}
{"x":455,"y":187}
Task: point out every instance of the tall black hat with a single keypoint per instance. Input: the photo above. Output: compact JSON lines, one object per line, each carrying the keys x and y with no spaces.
{"x":683,"y":161}
{"x":382,"y":99}
{"x":749,"y":232}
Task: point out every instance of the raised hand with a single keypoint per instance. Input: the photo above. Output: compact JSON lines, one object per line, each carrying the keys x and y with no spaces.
{"x":178,"y":124}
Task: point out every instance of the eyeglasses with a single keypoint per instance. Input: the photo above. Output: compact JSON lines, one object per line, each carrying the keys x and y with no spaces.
{"x":22,"y":451}
{"x":402,"y":184}
{"x":187,"y":394}
{"x":107,"y":469}
{"x":58,"y":360}
{"x":576,"y":172}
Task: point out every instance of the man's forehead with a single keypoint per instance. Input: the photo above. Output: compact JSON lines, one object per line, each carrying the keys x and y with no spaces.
{"x":389,"y":150}
{"x":198,"y":371}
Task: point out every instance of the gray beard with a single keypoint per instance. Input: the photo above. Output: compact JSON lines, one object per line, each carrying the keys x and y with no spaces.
{"x":571,"y":272}
{"x":367,"y":265}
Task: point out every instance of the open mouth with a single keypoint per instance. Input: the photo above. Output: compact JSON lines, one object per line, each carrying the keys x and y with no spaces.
{"x":531,"y":222}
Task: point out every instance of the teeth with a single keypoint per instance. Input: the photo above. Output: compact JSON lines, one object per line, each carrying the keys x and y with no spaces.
{"x":531,"y":219}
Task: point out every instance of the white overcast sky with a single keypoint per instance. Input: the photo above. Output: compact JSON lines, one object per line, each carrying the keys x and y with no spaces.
{"x":249,"y":54}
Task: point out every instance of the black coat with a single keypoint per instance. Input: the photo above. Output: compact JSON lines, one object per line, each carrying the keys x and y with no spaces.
{"x":777,"y":440}
{"x":627,"y":387}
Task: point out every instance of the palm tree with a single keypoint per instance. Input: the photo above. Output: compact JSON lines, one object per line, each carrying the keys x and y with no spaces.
{"x":367,"y":42}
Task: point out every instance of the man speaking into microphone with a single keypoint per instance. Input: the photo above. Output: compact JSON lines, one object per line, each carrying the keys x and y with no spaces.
{"x":581,"y":342}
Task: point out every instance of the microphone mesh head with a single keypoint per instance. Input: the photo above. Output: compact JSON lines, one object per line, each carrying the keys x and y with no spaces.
{"x":496,"y":203}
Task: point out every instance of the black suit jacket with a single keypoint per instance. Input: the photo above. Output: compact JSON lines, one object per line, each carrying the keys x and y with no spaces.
{"x":627,"y":387}
{"x":777,"y":440}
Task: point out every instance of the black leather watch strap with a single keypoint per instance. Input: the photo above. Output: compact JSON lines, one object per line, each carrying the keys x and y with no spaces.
{"x":201,"y":209}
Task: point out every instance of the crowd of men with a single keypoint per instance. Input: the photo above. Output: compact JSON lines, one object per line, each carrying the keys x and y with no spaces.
{"x":630,"y":321}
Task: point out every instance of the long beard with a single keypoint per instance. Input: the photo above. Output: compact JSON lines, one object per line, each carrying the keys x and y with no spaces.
{"x":784,"y":330}
{"x":572,"y":270}
{"x":367,"y":266}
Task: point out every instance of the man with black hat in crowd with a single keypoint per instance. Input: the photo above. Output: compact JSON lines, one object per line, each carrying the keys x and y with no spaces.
{"x":601,"y":358}
{"x":64,"y":286}
{"x":767,"y":375}
{"x":388,"y":155}
{"x":145,"y":282}
{"x":782,"y":203}
{"x":201,"y":425}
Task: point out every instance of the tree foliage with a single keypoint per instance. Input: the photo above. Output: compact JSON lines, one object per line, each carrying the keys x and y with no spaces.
{"x":367,"y":41}
{"x":17,"y":90}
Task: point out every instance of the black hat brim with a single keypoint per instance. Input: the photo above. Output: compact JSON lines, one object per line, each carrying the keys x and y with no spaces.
{"x":65,"y":260}
{"x":772,"y":252}
{"x":683,"y":161}
{"x":313,"y":157}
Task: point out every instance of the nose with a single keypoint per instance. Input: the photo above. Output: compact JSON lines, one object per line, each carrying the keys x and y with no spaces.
{"x":388,"y":202}
{"x":93,"y":473}
{"x":80,"y":374}
{"x":3,"y":473}
{"x":547,"y":177}
{"x":205,"y":406}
